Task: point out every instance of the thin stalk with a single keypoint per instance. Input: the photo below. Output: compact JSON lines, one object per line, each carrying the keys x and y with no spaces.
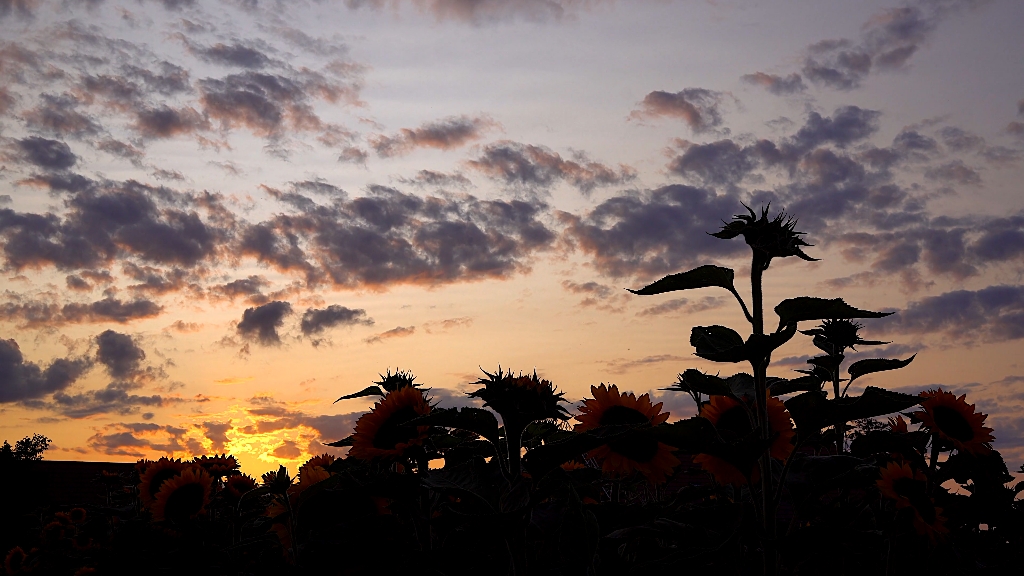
{"x":761,"y":403}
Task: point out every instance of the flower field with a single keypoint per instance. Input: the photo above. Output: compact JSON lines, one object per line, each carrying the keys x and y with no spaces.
{"x":771,"y":476}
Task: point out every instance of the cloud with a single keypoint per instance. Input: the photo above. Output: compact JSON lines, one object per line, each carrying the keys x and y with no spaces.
{"x":887,"y":42}
{"x":684,"y":305}
{"x":480,"y":12}
{"x":119,"y":353}
{"x":59,"y":115}
{"x":698,"y":107}
{"x":388,"y":237}
{"x":137,"y":440}
{"x":240,"y":54}
{"x":991,"y":314}
{"x":431,"y":178}
{"x":954,"y":172}
{"x":21,"y":380}
{"x":267,"y":104}
{"x":166,"y":122}
{"x":217,"y":432}
{"x":727,"y":162}
{"x":654,"y":232}
{"x":23,"y":8}
{"x":109,"y":220}
{"x":110,"y":309}
{"x":532,"y":166}
{"x":260,"y":324}
{"x":116,"y":397}
{"x":318,"y":320}
{"x":446,"y":134}
{"x":623,"y":365}
{"x":447,"y":324}
{"x":778,"y":85}
{"x":243,"y":287}
{"x":46,"y":154}
{"x":398,"y":332}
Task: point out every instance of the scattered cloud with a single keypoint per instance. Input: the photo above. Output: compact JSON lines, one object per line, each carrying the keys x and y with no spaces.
{"x":778,"y":85}
{"x":21,"y":380}
{"x":697,"y":107}
{"x":397,"y":332}
{"x":537,"y":167}
{"x":260,"y":324}
{"x":446,"y":134}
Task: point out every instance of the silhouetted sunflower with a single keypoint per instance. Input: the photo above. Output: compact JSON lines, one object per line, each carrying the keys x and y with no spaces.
{"x":236,"y":485}
{"x":323,"y":461}
{"x":183,"y":497}
{"x":637,"y":451}
{"x":217,"y":465}
{"x":77,"y":515}
{"x":520,"y":399}
{"x":769,"y":238}
{"x":907,"y":488}
{"x":15,"y":560}
{"x":381,"y":431}
{"x":732,"y":422}
{"x":156,"y":473}
{"x":955,"y":421}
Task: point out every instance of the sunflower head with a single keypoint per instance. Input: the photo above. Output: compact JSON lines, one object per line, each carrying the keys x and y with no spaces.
{"x":400,"y":379}
{"x":15,"y":560}
{"x":907,"y":489}
{"x":382,"y":432}
{"x":769,"y":238}
{"x":955,"y":421}
{"x":835,"y":336}
{"x":732,"y":420}
{"x":236,"y":485}
{"x":520,"y":399}
{"x":155,"y":475}
{"x":77,"y":515}
{"x":183,"y":497}
{"x":638,"y":451}
{"x":277,"y":480}
{"x":217,"y":465}
{"x":323,"y":461}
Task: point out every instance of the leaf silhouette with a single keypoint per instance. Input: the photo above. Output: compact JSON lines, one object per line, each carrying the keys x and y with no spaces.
{"x":368,"y":391}
{"x":810,"y":308}
{"x":701,"y":277}
{"x":870,"y":365}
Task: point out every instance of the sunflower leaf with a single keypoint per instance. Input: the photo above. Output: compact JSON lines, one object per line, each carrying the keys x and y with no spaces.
{"x":862,"y":367}
{"x":346,"y":441}
{"x":781,"y":386}
{"x":811,"y":411}
{"x":718,"y":343}
{"x":700,"y":277}
{"x":477,"y":420}
{"x":808,"y":308}
{"x":368,"y":391}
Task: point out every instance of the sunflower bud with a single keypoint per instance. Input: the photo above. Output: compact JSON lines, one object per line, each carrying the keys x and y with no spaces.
{"x":774,"y":238}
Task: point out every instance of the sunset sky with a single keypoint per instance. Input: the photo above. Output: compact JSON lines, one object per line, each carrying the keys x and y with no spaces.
{"x":218,"y":217}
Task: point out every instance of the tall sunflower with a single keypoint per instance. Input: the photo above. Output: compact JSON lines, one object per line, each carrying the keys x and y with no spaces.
{"x":183,"y":497}
{"x":907,"y":488}
{"x":732,"y":422}
{"x":155,"y":474}
{"x":381,"y":432}
{"x":636,"y":452}
{"x":955,"y":421}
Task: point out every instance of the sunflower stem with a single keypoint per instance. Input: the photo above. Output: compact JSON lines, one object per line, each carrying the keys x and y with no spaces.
{"x":933,"y":463}
{"x":760,"y":368}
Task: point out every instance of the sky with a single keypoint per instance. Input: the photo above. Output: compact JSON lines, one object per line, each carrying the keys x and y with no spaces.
{"x":218,"y":217}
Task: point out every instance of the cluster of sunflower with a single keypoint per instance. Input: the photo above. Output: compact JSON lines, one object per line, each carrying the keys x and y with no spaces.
{"x":64,"y":545}
{"x":176,"y":492}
